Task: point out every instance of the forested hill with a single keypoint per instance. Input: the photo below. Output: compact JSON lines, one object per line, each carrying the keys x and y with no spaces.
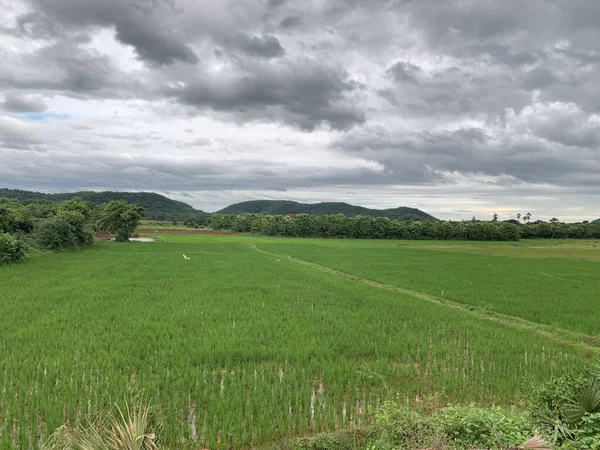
{"x":596,"y":221}
{"x":281,"y":207}
{"x":156,"y":206}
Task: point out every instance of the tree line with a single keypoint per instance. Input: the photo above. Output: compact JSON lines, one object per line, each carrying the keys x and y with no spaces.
{"x":33,"y":226}
{"x":364,"y":227}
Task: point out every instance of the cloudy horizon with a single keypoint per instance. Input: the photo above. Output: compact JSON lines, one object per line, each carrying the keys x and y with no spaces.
{"x":460,"y":108}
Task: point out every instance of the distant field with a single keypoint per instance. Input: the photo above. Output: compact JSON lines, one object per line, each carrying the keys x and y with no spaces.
{"x":239,"y":347}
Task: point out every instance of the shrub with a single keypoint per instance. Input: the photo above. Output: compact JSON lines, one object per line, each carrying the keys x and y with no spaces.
{"x":568,"y":410}
{"x":452,"y":427}
{"x":483,"y":427}
{"x":11,"y":249}
{"x":55,"y":234}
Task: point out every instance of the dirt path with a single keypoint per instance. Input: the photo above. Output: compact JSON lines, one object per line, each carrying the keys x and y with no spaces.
{"x":574,"y":339}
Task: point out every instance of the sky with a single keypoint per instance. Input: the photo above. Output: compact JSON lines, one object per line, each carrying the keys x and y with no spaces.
{"x":458,"y":107}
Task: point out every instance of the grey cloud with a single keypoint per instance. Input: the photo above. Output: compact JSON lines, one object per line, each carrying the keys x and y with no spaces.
{"x":404,"y":71}
{"x":428,"y":155}
{"x":265,"y":46}
{"x":137,"y":23}
{"x":198,"y":142}
{"x":389,"y":95}
{"x":453,"y":91}
{"x":290,"y":22}
{"x":153,"y":44}
{"x":572,"y":129}
{"x":67,"y":67}
{"x":539,"y":78}
{"x":145,"y":171}
{"x":18,"y":135}
{"x":276,"y":3}
{"x":19,"y":104}
{"x":301,"y":93}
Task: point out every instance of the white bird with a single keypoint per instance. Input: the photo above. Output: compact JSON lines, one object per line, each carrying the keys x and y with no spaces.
{"x":186,"y":258}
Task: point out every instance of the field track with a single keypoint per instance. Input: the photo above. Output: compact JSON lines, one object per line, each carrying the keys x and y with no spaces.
{"x":564,"y":336}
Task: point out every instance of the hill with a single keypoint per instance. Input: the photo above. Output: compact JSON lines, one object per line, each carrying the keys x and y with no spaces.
{"x":282,"y":207}
{"x":156,"y":206}
{"x":596,"y":221}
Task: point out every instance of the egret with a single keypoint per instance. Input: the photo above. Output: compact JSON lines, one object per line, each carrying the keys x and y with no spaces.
{"x":186,"y":258}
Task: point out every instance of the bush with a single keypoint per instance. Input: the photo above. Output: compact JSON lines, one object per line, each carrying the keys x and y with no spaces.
{"x":567,"y":410}
{"x":483,"y":427}
{"x":11,"y":249}
{"x":55,"y":234}
{"x":453,"y":427}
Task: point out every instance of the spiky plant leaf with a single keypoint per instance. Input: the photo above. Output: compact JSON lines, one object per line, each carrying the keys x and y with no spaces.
{"x":586,"y":401}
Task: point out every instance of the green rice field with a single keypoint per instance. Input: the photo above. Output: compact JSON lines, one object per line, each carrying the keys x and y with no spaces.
{"x":254,"y":340}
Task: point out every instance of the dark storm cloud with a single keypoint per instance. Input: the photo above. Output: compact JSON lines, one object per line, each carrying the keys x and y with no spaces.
{"x":19,"y":104}
{"x":137,"y":23}
{"x":301,"y":93}
{"x":67,"y":67}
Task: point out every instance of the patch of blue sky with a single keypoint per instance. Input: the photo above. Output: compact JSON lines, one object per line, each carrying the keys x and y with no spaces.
{"x":46,"y":116}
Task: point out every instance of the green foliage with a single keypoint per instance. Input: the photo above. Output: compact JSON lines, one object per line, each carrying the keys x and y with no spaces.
{"x":284,"y":207}
{"x":363,"y":227}
{"x":454,"y":427}
{"x":493,"y":427}
{"x":567,"y":409}
{"x":558,"y":230}
{"x":55,"y":234}
{"x":11,"y":249}
{"x":67,"y":229}
{"x":121,"y":218}
{"x":155,"y":206}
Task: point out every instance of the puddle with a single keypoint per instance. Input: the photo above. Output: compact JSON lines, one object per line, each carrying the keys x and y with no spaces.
{"x":141,"y":239}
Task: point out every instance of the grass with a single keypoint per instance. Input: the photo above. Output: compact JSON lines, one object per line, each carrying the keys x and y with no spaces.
{"x":238,"y":350}
{"x":556,"y":286}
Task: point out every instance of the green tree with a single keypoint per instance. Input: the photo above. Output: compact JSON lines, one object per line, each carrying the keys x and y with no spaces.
{"x":495,"y":217}
{"x":121,"y":218}
{"x":11,"y":249}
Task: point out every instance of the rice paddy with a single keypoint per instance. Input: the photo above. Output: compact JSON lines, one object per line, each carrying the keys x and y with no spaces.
{"x":241,"y":346}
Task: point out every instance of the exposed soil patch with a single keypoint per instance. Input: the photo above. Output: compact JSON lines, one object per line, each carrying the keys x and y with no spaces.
{"x":225,"y":233}
{"x":103,"y":236}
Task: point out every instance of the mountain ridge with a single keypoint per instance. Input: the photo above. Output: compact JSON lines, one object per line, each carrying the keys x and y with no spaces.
{"x":156,"y":206}
{"x":284,"y":207}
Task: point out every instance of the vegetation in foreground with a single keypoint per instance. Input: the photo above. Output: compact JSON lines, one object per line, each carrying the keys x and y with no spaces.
{"x":565,"y":411}
{"x":239,"y":350}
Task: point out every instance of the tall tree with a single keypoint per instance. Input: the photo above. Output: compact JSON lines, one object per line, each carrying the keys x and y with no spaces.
{"x":121,"y":218}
